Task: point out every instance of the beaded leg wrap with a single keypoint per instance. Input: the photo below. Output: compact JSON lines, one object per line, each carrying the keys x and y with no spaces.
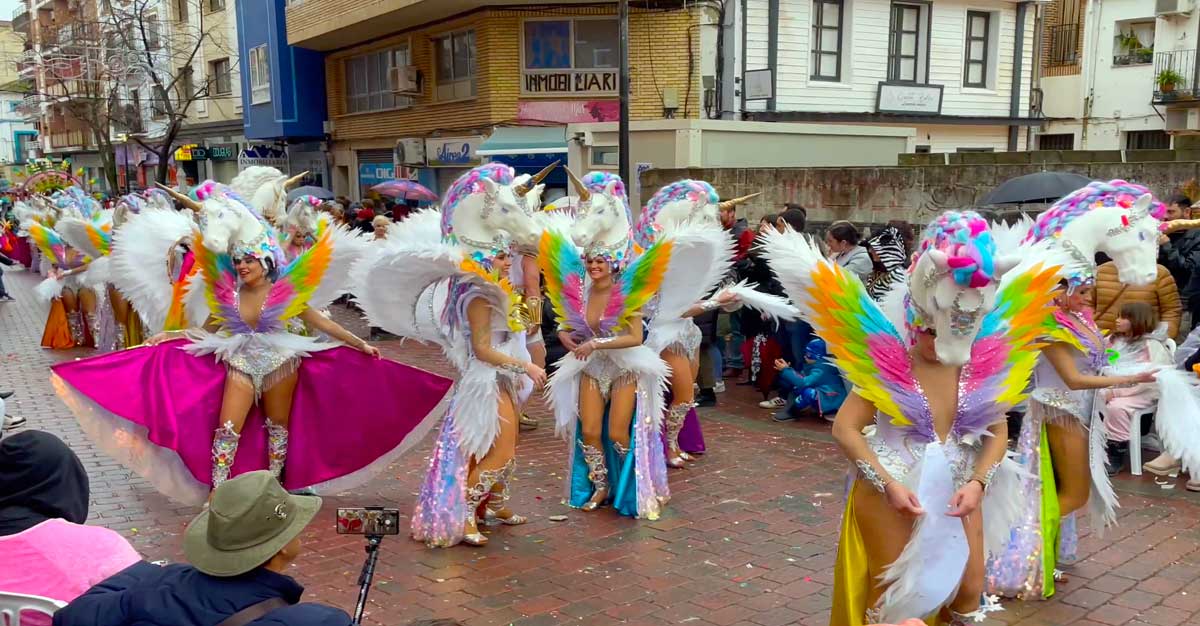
{"x":75,"y":323}
{"x":120,"y":337}
{"x":499,"y":500}
{"x":674,"y":423}
{"x":621,"y":449}
{"x":597,"y":472}
{"x":224,"y":449}
{"x":94,"y":325}
{"x":277,"y":446}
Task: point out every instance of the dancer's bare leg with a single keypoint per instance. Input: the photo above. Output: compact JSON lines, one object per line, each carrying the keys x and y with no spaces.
{"x":885,"y":531}
{"x":504,"y":452}
{"x":236,"y":401}
{"x":488,"y":470}
{"x":620,"y":414}
{"x":70,"y":301}
{"x":1072,"y":473}
{"x":277,"y":406}
{"x":971,"y":589}
{"x":87,"y":306}
{"x":591,"y":423}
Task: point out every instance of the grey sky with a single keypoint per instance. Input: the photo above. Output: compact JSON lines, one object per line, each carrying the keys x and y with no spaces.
{"x":7,"y":7}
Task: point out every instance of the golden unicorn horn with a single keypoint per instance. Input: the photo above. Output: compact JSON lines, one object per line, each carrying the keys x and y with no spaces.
{"x":180,"y":198}
{"x":1174,"y":226}
{"x":537,"y":178}
{"x":584,"y":194}
{"x":729,"y":204}
{"x":295,"y":180}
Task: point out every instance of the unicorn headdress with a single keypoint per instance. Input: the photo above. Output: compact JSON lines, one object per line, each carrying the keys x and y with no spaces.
{"x":489,"y":209}
{"x":231,"y":226}
{"x":603,"y":218}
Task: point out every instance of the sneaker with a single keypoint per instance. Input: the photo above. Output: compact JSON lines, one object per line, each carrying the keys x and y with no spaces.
{"x":7,"y":298}
{"x":773,"y":403}
{"x":527,"y":423}
{"x":1193,"y":485}
{"x":706,"y":398}
{"x":11,"y":422}
{"x":719,"y":386}
{"x":783,"y":415}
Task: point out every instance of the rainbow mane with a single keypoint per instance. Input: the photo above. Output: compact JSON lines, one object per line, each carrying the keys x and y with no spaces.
{"x":469,"y":183}
{"x":597,"y":182}
{"x":697,"y":192}
{"x":968,"y":245}
{"x":1096,"y":194}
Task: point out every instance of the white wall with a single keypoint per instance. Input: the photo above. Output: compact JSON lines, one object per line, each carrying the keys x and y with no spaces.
{"x":10,"y":122}
{"x":949,"y":138}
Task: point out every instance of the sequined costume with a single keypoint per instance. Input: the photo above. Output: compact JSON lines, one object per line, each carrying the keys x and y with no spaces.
{"x":903,"y":442}
{"x":1025,"y":568}
{"x":170,"y":433}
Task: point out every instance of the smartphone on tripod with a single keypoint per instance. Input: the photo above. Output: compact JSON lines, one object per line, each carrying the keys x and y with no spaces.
{"x":375,"y":523}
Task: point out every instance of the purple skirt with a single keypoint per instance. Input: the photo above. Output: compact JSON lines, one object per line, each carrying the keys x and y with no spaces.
{"x":154,"y":408}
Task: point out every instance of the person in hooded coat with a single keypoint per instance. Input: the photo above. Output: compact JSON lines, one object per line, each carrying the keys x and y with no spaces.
{"x":45,"y":550}
{"x":889,"y":255}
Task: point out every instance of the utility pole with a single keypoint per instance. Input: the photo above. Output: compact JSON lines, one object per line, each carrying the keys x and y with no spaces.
{"x":623,"y":78}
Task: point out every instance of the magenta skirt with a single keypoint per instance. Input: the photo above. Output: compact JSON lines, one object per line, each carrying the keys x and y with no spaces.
{"x":154,"y":408}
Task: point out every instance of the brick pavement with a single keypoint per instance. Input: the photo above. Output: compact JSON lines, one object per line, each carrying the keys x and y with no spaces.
{"x":749,"y":537}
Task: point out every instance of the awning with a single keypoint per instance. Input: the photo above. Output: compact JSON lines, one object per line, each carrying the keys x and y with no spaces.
{"x":525,"y":140}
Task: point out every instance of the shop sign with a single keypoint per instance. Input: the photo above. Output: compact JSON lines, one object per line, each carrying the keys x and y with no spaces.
{"x":569,"y":111}
{"x":564,"y":82}
{"x":267,"y":156}
{"x":452,"y":151}
{"x":223,"y":152}
{"x":190,"y":152}
{"x":370,"y":174}
{"x":908,"y":98}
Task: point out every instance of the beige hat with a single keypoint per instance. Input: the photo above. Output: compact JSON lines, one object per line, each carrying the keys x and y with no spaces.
{"x":251,"y":518}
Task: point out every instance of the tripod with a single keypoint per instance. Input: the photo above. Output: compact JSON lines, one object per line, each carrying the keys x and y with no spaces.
{"x":367,"y":575}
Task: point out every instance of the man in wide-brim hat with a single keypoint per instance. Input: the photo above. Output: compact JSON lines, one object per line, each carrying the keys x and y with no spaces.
{"x":238,"y":549}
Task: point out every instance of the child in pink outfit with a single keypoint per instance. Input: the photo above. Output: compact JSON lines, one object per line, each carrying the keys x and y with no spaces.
{"x":45,"y":550}
{"x":1140,"y":340}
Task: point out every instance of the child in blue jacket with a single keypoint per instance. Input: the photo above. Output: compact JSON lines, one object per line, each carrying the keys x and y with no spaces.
{"x":818,"y":386}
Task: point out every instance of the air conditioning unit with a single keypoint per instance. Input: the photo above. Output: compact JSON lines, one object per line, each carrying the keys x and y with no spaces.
{"x":405,"y":80}
{"x":1170,"y":8}
{"x":410,"y":152}
{"x":1183,"y":121}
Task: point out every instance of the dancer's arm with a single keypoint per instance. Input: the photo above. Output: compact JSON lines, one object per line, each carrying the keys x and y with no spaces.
{"x":968,"y":497}
{"x":326,"y":325}
{"x":631,"y":338}
{"x":479,"y":316}
{"x":721,"y":299}
{"x":77,"y":270}
{"x":855,"y":415}
{"x":1059,"y":355}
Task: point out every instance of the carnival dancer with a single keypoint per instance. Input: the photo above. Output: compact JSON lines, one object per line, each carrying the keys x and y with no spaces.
{"x":607,"y":393}
{"x":1062,"y":441}
{"x":692,"y":205}
{"x":929,"y":455}
{"x":300,"y":224}
{"x":442,"y":277}
{"x":243,"y":368}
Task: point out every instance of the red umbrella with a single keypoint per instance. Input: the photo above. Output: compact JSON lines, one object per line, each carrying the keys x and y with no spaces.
{"x":405,"y":189}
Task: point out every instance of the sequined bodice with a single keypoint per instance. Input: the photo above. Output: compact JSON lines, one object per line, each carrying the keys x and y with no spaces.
{"x":1049,"y":388}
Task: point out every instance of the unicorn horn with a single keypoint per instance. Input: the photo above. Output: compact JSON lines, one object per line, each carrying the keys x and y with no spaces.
{"x":584,"y":194}
{"x":295,"y":180}
{"x":180,"y":198}
{"x":1178,"y":225}
{"x":537,"y":178}
{"x":729,"y":204}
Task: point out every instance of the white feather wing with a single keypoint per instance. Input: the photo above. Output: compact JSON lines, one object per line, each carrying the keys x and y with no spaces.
{"x":390,"y":283}
{"x":74,"y":231}
{"x":773,"y":306}
{"x":700,"y":257}
{"x":141,"y":247}
{"x":793,"y":258}
{"x":348,"y":247}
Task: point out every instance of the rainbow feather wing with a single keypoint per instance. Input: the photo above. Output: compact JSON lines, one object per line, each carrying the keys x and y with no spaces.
{"x":296,"y":284}
{"x":220,"y":286}
{"x":101,"y":236}
{"x":866,"y":346}
{"x":1006,"y":350}
{"x":637,"y":285}
{"x":562,"y":268}
{"x":49,"y":242}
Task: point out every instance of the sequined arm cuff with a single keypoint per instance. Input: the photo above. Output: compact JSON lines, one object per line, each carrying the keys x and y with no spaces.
{"x":515,"y":368}
{"x":870,"y":475}
{"x":708,"y":305}
{"x":986,"y":479}
{"x":602,"y":342}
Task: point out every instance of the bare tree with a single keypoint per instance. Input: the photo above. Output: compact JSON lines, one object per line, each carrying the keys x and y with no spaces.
{"x":126,"y":68}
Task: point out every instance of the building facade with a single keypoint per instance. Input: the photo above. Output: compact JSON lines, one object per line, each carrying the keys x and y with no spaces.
{"x":960,"y":72}
{"x":286,"y":114}
{"x":430,"y":88}
{"x":18,"y":136}
{"x":1099,"y":65}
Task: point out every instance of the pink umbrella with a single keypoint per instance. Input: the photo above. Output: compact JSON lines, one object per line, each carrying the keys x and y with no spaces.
{"x":405,"y":189}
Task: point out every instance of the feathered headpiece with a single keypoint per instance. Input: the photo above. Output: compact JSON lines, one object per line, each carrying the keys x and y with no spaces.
{"x":466,"y":185}
{"x":617,"y":254}
{"x":958,"y":244}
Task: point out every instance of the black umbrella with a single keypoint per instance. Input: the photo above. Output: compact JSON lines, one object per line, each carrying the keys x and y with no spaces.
{"x":1035,"y":188}
{"x":310,"y":190}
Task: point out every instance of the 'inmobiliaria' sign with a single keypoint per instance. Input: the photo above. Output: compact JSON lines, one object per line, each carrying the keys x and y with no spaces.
{"x":558,"y":82}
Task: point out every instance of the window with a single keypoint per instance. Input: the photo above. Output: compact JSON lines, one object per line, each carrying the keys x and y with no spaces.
{"x":216,"y":5}
{"x":260,"y":75}
{"x":605,"y":156}
{"x":13,"y":105}
{"x":827,"y":40}
{"x":978,"y":46}
{"x":150,"y":24}
{"x":218,"y":76}
{"x":455,"y":65}
{"x":1133,"y":42}
{"x":908,"y":41}
{"x":1057,"y":141}
{"x":368,"y":84}
{"x":185,"y":86}
{"x":181,"y":10}
{"x":569,"y":56}
{"x":975,"y":150}
{"x":924,"y":149}
{"x":1147,"y":140}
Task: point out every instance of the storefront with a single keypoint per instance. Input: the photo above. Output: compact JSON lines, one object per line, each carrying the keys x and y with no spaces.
{"x":374,"y":167}
{"x":309,"y":157}
{"x":447,"y":158}
{"x":529,"y":149}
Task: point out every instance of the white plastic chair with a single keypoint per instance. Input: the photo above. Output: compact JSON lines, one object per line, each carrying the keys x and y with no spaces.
{"x":13,"y":604}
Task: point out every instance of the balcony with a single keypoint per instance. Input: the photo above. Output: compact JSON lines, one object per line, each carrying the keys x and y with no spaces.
{"x":1062,"y":58}
{"x":76,"y":139}
{"x":20,"y":19}
{"x":1186,"y":88}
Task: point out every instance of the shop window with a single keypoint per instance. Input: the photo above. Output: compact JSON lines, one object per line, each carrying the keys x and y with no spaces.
{"x":368,"y":87}
{"x":455,"y":65}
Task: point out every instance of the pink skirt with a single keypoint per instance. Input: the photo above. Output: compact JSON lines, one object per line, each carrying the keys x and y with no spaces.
{"x":154,"y":408}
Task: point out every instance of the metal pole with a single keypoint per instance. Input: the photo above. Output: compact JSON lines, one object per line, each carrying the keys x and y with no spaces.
{"x":623,"y":126}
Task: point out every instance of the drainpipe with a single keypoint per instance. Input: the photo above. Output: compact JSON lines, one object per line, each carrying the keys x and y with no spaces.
{"x":1014,"y":102}
{"x":773,"y":49}
{"x":1035,"y":81}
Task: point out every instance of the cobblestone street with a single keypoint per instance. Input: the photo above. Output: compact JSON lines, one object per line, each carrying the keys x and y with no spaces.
{"x":749,"y":537}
